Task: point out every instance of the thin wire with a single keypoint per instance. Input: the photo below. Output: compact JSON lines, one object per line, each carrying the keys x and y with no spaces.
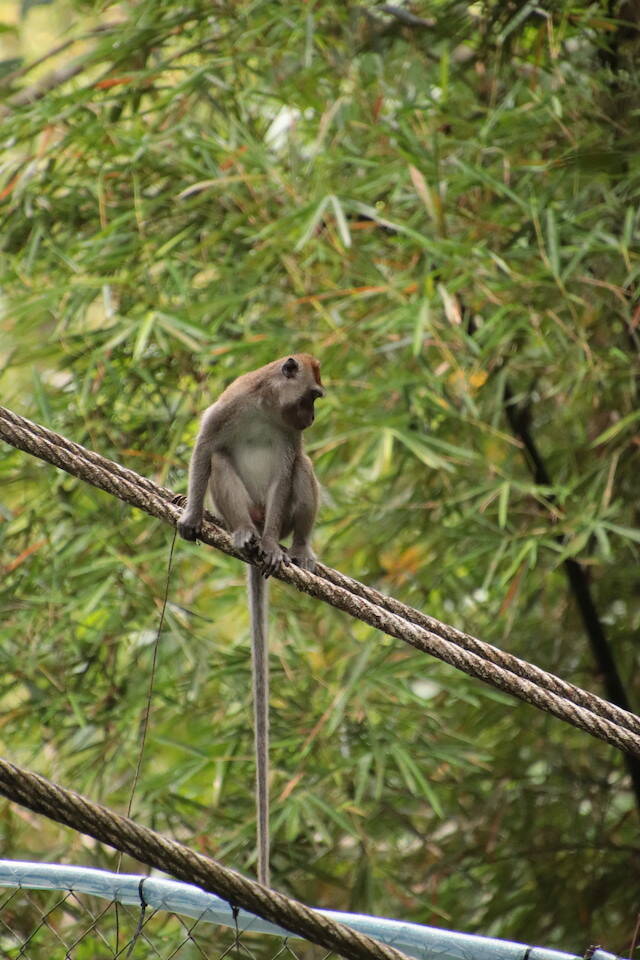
{"x":152,"y":677}
{"x":143,"y":910}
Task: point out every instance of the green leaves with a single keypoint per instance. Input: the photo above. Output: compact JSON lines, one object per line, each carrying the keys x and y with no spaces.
{"x":328,"y":203}
{"x":616,"y":428}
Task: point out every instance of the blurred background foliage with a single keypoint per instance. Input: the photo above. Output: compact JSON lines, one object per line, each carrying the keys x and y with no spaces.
{"x":440,"y":201}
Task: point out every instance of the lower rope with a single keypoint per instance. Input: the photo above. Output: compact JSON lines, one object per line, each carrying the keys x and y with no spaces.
{"x":75,"y":811}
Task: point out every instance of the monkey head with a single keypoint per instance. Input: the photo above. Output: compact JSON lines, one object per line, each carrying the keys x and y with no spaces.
{"x":299,"y":386}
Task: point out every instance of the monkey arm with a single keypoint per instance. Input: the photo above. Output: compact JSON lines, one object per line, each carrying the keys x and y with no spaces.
{"x":190,"y":523}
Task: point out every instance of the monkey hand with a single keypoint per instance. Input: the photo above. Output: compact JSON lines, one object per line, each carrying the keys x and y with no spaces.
{"x":303,"y":556}
{"x":272,"y":556}
{"x":189,"y":527}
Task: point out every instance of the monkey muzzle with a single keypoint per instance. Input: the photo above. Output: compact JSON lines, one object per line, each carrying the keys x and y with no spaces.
{"x":301,"y":414}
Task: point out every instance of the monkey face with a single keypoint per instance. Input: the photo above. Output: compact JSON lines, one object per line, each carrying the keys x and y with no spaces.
{"x":300,"y":389}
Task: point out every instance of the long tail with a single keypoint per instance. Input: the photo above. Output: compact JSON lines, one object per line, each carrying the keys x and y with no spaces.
{"x":258,"y":605}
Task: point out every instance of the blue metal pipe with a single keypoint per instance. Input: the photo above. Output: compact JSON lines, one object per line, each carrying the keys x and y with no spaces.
{"x":423,"y":943}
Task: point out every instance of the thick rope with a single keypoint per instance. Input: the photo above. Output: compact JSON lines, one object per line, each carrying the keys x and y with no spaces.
{"x":502,"y":670}
{"x":522,"y":668}
{"x":75,"y":811}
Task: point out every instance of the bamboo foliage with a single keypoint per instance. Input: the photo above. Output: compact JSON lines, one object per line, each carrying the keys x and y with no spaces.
{"x":445,"y":211}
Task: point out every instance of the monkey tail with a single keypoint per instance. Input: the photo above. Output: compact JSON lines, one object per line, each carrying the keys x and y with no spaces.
{"x":258,"y":605}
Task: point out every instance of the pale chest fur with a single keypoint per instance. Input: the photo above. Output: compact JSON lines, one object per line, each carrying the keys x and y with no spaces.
{"x":258,"y":451}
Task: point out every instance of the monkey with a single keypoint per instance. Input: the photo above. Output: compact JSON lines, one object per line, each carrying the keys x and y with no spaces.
{"x":249,"y":453}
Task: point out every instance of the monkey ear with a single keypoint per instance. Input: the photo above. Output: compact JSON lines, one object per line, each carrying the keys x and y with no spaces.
{"x":290,"y":368}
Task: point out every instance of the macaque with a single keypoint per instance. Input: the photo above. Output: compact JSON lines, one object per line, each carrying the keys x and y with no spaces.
{"x":249,"y":453}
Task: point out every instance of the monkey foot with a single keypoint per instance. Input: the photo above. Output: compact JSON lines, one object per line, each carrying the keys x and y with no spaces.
{"x":272,"y":557}
{"x":303,"y":557}
{"x":188,"y":530}
{"x":244,"y":538}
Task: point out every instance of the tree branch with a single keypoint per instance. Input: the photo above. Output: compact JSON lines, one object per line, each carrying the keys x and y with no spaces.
{"x":519,"y":420}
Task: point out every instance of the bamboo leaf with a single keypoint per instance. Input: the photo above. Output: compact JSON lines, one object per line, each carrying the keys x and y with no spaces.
{"x":552,"y":242}
{"x":313,"y":223}
{"x":341,"y":221}
{"x":616,"y":428}
{"x":421,"y":451}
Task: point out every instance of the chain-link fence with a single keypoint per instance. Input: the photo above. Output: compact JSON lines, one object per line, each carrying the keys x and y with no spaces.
{"x":50,"y":911}
{"x":43,"y":925}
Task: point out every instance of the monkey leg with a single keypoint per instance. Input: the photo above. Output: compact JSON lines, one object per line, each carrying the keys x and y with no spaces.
{"x":232,"y":501}
{"x":304,"y":505}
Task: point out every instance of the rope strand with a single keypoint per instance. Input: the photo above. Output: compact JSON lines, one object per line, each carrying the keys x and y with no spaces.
{"x":496,"y":667}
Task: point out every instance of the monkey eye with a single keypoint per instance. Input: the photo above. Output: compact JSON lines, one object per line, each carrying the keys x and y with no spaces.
{"x":290,"y":367}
